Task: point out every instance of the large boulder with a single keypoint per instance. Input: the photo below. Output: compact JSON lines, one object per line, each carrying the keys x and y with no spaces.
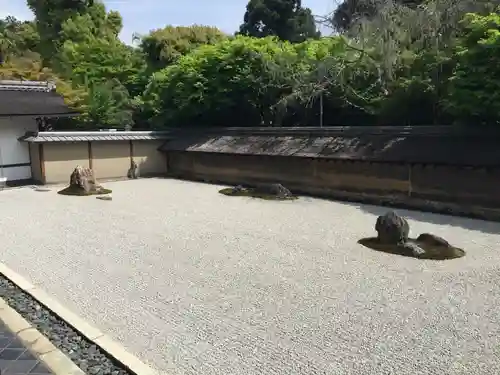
{"x":392,"y":229}
{"x":436,"y":247}
{"x":275,"y":190}
{"x":432,"y":240}
{"x":83,"y":179}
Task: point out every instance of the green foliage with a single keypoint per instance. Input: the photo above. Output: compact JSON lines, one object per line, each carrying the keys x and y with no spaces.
{"x":81,"y":44}
{"x":99,"y":60}
{"x":17,"y":38}
{"x":108,"y":106}
{"x":216,"y":84}
{"x":30,"y":67}
{"x":50,"y":17}
{"x":164,"y":46}
{"x":405,"y":62}
{"x":285,"y":19}
{"x":475,"y":84}
{"x":350,"y":12}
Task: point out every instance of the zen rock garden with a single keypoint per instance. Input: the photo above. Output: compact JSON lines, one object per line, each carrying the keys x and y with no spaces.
{"x":393,"y":237}
{"x":263,"y":191}
{"x":82,"y":182}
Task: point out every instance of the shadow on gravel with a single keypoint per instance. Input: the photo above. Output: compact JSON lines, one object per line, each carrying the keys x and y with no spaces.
{"x":439,"y":219}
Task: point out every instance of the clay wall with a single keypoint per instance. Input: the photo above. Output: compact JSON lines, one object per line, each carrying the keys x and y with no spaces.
{"x":345,"y":178}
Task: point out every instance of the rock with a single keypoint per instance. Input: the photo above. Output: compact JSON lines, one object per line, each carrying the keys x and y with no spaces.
{"x":437,"y":247}
{"x":133,"y":172}
{"x":392,"y":228}
{"x":104,"y":197}
{"x":236,"y":190}
{"x":411,"y":249}
{"x":432,"y":240}
{"x":276,"y":190}
{"x":40,"y":189}
{"x":83,"y":178}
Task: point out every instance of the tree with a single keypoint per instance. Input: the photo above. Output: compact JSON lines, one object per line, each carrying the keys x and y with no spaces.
{"x":474,"y":94}
{"x":108,"y":106}
{"x":163,"y":47}
{"x":50,"y":16}
{"x":17,"y":37}
{"x":58,"y":21}
{"x":215,"y":84}
{"x":79,"y":40}
{"x":286,"y":19}
{"x":349,"y":12}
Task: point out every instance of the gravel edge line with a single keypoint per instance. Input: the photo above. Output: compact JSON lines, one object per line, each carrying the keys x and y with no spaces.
{"x":91,"y":339}
{"x":36,"y":343}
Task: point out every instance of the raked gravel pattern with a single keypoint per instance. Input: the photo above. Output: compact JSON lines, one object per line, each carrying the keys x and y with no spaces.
{"x":194,"y":282}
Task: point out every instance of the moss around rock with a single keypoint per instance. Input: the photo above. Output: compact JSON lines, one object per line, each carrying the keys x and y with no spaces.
{"x":392,"y":238}
{"x":414,"y":248}
{"x":264,"y":191}
{"x":76,"y":191}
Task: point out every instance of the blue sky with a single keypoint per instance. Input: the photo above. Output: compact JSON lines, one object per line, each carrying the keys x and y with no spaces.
{"x":143,"y":15}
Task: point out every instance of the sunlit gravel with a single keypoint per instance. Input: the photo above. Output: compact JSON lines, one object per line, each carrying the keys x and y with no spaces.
{"x":197,"y":283}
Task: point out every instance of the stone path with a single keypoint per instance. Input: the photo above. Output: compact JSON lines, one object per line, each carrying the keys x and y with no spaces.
{"x":15,"y":358}
{"x":194,"y":282}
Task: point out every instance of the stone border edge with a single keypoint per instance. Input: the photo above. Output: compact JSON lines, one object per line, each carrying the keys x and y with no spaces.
{"x":113,"y":349}
{"x":38,"y":344}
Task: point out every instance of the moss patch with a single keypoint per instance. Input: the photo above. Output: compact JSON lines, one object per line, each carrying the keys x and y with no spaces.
{"x":75,"y":191}
{"x":431,"y":252}
{"x":251,"y":193}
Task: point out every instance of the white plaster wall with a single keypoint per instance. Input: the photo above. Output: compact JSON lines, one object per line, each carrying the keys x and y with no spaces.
{"x":11,"y":150}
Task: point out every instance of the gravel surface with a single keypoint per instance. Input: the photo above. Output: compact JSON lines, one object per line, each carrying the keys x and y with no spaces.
{"x":83,"y":353}
{"x":194,"y":282}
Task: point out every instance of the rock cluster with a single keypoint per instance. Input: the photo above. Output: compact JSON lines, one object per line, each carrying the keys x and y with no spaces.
{"x":264,"y":191}
{"x":83,"y":182}
{"x":393,"y":236}
{"x":84,"y":179}
{"x":276,"y":190}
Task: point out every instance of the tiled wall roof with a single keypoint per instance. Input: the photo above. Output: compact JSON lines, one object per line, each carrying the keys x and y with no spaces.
{"x":38,"y":86}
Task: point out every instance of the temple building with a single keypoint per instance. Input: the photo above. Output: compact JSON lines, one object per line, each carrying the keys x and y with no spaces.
{"x":24,"y":105}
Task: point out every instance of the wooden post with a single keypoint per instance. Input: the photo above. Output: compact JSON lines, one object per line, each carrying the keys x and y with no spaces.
{"x":409,"y":181}
{"x":41,"y":159}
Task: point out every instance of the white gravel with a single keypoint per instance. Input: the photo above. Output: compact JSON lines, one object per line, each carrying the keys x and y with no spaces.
{"x":194,"y":282}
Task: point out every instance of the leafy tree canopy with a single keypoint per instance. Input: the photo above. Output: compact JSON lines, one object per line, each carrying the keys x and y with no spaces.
{"x":17,"y":38}
{"x":475,"y":83}
{"x":76,"y":20}
{"x":286,"y":19}
{"x":163,"y":47}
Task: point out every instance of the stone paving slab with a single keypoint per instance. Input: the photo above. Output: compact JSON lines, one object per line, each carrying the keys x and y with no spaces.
{"x":26,"y":351}
{"x":15,"y":358}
